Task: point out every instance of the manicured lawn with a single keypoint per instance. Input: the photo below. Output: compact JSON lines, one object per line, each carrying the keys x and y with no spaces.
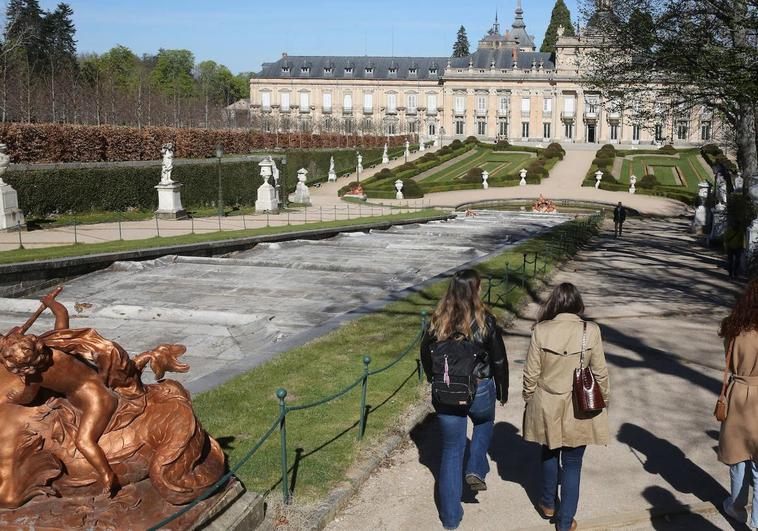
{"x":497,"y":164}
{"x":688,"y":163}
{"x":26,"y":255}
{"x":322,"y":442}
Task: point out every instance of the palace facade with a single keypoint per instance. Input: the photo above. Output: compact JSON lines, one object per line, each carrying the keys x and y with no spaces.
{"x":505,"y":89}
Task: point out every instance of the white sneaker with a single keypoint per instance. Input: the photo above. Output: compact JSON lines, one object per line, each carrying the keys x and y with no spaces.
{"x":734,"y":513}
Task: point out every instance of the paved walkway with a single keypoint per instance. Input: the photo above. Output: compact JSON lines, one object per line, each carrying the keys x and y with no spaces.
{"x":659,"y":299}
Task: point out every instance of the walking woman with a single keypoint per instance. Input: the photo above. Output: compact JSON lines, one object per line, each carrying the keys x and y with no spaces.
{"x":552,"y":418}
{"x":738,"y":441}
{"x":461,"y":328}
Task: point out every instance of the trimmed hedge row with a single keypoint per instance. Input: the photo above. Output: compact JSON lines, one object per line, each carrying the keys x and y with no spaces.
{"x":345,"y":161}
{"x":716,"y":157}
{"x":45,"y":192}
{"x":38,"y":143}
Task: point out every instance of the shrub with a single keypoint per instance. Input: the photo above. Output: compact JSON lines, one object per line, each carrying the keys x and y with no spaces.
{"x":668,"y":149}
{"x":603,"y":163}
{"x":345,"y":189}
{"x":607,"y":151}
{"x":455,"y":144}
{"x":648,"y":181}
{"x":472,"y":140}
{"x":502,"y":145}
{"x":556,"y":146}
{"x":711,"y":149}
{"x":445,"y":150}
{"x":386,"y":173}
{"x":474,"y":175}
{"x":411,"y":189}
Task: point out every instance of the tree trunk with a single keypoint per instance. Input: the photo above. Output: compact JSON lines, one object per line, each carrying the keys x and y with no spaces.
{"x":745,"y":133}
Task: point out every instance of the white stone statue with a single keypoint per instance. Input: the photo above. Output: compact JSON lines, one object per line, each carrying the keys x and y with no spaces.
{"x":167,"y":151}
{"x":721,"y":192}
{"x":399,"y":188}
{"x":701,"y":214}
{"x":407,"y":149}
{"x":332,"y":171}
{"x":385,"y":156}
{"x":633,"y":184}
{"x":739,"y":182}
{"x":275,"y":173}
{"x":359,"y":168}
{"x":11,"y":216}
{"x":421,"y":146}
{"x":437,"y":140}
{"x":302,"y":194}
{"x":523,"y":177}
{"x":598,"y":178}
{"x":266,"y":200}
{"x":485,"y":178}
{"x":560,"y":31}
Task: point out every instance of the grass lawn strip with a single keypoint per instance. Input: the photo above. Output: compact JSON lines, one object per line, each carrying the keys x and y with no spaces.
{"x":458,"y":169}
{"x":63,"y":251}
{"x":322,"y":442}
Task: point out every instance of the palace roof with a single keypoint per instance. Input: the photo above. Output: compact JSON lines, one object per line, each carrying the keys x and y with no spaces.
{"x":354,"y":67}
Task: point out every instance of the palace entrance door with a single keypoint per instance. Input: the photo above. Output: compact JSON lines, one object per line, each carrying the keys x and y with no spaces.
{"x":591,"y":128}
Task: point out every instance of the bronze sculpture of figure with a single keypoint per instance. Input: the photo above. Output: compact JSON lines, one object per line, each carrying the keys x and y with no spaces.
{"x":81,"y":421}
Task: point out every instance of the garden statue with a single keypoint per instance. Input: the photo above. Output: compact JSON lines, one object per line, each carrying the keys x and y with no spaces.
{"x":407,"y":152}
{"x":359,"y":168}
{"x":302,"y":194}
{"x":421,"y":144}
{"x":522,"y":173}
{"x":332,"y":172}
{"x":721,"y":191}
{"x":701,"y":213}
{"x":738,"y":182}
{"x":485,"y":178}
{"x":11,"y":216}
{"x":598,"y":178}
{"x":633,"y":184}
{"x":385,"y":156}
{"x":399,"y":187}
{"x":167,"y":151}
{"x":544,"y":206}
{"x":80,"y":425}
{"x":275,"y":175}
{"x":266,"y":198}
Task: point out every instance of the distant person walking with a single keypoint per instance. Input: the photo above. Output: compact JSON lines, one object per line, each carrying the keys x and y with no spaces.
{"x":738,"y":441}
{"x":619,"y":217}
{"x":551,"y":417}
{"x":464,"y":358}
{"x":734,"y":245}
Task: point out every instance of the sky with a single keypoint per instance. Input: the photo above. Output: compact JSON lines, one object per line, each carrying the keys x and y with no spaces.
{"x":244,"y":34}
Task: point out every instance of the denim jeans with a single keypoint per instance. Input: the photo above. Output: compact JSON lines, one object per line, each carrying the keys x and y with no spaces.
{"x":738,"y":499}
{"x":564,"y":464}
{"x":453,"y":428}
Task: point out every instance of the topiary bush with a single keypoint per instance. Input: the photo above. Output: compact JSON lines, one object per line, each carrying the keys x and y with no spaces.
{"x":648,"y":181}
{"x":502,"y":145}
{"x":607,"y":151}
{"x":474,"y":175}
{"x":455,"y":144}
{"x":668,"y":149}
{"x":411,"y":189}
{"x":472,"y":140}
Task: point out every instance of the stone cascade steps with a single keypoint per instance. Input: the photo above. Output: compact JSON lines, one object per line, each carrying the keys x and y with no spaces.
{"x":242,"y":309}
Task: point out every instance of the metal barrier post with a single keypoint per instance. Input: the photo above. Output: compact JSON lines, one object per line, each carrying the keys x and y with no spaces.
{"x":524,"y":266}
{"x":419,"y":367}
{"x":219,"y":222}
{"x":281,"y":394}
{"x":489,"y":289}
{"x":267,"y":219}
{"x":321,"y":214}
{"x":348,"y":211}
{"x":244,"y":223}
{"x":536,"y":256}
{"x":335,"y":212}
{"x":364,"y":389}
{"x":18,"y":229}
{"x":157,"y":227}
{"x":118,"y":219}
{"x":76,"y":239}
{"x":306,"y":214}
{"x":192,"y":220}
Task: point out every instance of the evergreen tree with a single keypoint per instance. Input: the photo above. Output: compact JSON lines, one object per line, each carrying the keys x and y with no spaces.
{"x":58,"y":32}
{"x":561,"y":16}
{"x":461,"y":46}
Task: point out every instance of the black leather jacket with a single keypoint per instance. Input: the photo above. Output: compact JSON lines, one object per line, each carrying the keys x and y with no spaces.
{"x":493,"y":364}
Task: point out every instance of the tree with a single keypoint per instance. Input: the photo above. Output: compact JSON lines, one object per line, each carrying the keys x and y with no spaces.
{"x":678,"y":56}
{"x":561,"y":16}
{"x":172,"y":75}
{"x":59,"y":46}
{"x":461,"y":46}
{"x":120,"y":67}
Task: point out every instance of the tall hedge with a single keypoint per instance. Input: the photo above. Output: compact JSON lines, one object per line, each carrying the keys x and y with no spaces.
{"x":49,"y":143}
{"x":45,"y":192}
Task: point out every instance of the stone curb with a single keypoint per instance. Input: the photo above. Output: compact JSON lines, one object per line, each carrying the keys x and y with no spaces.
{"x":340,"y":496}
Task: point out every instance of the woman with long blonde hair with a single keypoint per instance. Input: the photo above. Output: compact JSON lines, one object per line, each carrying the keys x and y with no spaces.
{"x":461,"y":326}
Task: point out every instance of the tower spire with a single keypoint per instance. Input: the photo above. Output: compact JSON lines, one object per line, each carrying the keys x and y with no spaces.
{"x":497,"y":23}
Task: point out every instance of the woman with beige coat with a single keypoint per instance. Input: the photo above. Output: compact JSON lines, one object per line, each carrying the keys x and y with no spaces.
{"x":738,"y":441}
{"x":551,"y":418}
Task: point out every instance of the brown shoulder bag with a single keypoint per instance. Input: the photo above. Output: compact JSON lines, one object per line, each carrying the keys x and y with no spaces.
{"x":589,"y":399}
{"x":721,"y":404}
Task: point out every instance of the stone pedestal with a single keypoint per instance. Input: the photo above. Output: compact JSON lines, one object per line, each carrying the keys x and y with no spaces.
{"x":170,"y":201}
{"x":302,"y":195}
{"x":385,"y":156}
{"x":407,"y":152}
{"x":11,"y":216}
{"x":719,"y":222}
{"x":485,"y":178}
{"x":266,"y":200}
{"x":399,"y":188}
{"x":522,"y":182}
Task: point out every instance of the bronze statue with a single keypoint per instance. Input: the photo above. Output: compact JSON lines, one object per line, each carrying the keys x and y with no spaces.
{"x":78,"y":420}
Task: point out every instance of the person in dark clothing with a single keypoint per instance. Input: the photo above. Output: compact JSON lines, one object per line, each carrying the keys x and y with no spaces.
{"x":734,"y":244}
{"x":462,"y":314}
{"x":619,"y":217}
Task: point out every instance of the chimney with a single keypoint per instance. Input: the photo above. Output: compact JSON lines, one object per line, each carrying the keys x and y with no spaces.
{"x":284,"y":55}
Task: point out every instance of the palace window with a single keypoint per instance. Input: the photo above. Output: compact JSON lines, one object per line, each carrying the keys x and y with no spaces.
{"x":369,"y":71}
{"x":432,"y":71}
{"x":659,"y":132}
{"x":305,"y":70}
{"x":412,"y":71}
{"x":503,"y":104}
{"x":285,"y":70}
{"x":526,"y":105}
{"x":412,"y":102}
{"x":328,"y":124}
{"x":546,"y":130}
{"x":347,"y":102}
{"x":349,"y":126}
{"x":368,"y":124}
{"x":328,"y":70}
{"x":266,"y":100}
{"x":393,"y":71}
{"x":682,"y":131}
{"x":568,"y":106}
{"x":547,"y":106}
{"x":266,"y":125}
{"x":460,"y":104}
{"x":568,"y":130}
{"x":284,"y":100}
{"x":614,"y":131}
{"x":524,"y":129}
{"x":481,"y":128}
{"x":481,"y":104}
{"x":502,"y":128}
{"x":459,"y":127}
{"x":392,"y":103}
{"x":305,"y":103}
{"x":327,"y":101}
{"x":349,"y":71}
{"x":391,"y":128}
{"x":431,"y":102}
{"x":705,"y":131}
{"x":636,"y":132}
{"x":412,"y":128}
{"x":368,"y":102}
{"x":432,"y":130}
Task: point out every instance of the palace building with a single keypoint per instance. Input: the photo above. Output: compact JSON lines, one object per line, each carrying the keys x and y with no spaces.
{"x":505,"y":89}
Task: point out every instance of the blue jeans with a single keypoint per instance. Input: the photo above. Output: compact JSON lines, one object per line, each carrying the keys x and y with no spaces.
{"x":740,"y":487}
{"x":564,"y":464}
{"x":453,"y":428}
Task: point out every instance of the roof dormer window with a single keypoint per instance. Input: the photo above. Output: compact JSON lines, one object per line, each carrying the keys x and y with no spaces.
{"x":328,"y":70}
{"x":305,"y":70}
{"x":369,"y":70}
{"x":393,"y":70}
{"x":432,"y":71}
{"x":285,"y":70}
{"x":348,"y":70}
{"x":412,"y":71}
